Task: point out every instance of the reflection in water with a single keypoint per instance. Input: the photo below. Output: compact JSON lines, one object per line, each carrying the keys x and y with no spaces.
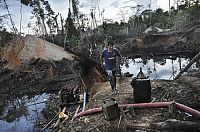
{"x":157,"y":68}
{"x":21,"y":114}
{"x":16,"y":109}
{"x":126,"y":63}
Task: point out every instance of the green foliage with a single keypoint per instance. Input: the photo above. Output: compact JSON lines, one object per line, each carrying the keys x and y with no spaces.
{"x":71,"y":29}
{"x":41,"y":14}
{"x":50,"y":12}
{"x":75,"y":7}
{"x":5,"y":37}
{"x":112,"y":28}
{"x":179,"y":19}
{"x":175,"y":19}
{"x":26,"y":2}
{"x":194,"y":13}
{"x":156,"y":18}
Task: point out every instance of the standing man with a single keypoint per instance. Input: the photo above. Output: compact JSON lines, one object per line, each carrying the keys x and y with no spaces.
{"x":109,"y":61}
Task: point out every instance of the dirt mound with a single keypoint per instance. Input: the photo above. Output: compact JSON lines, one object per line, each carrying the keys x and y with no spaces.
{"x":22,"y":50}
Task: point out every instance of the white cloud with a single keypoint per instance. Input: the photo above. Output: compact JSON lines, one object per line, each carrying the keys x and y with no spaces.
{"x":164,"y":4}
{"x":112,"y":8}
{"x":60,"y":6}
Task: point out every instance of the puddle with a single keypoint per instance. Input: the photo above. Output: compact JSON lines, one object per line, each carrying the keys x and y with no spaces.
{"x":159,"y":68}
{"x":21,"y":114}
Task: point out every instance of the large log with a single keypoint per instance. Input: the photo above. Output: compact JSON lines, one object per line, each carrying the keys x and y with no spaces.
{"x":176,"y":125}
{"x":188,"y":66}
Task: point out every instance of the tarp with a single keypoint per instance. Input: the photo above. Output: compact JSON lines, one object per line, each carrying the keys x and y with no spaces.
{"x":153,"y":29}
{"x":156,"y":30}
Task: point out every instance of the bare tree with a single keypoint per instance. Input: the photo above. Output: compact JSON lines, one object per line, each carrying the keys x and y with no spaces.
{"x":12,"y":23}
{"x":41,"y":14}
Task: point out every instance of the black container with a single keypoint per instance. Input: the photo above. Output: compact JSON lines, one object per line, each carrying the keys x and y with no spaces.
{"x":110,"y":110}
{"x":141,"y":90}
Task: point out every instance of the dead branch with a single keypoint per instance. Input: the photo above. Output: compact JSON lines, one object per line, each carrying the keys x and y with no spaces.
{"x":49,"y":122}
{"x":77,"y":109}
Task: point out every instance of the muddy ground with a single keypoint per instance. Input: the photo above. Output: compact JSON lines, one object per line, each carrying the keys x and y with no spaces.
{"x":40,"y":76}
{"x":36,"y":77}
{"x":134,"y":119}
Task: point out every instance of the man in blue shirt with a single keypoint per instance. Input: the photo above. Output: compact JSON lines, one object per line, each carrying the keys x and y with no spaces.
{"x":109,"y":61}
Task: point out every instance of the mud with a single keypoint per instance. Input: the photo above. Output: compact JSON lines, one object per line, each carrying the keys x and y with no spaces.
{"x":135,"y":119}
{"x":39,"y":76}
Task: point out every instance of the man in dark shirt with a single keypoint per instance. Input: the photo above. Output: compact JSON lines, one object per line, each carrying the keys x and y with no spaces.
{"x":109,"y":61}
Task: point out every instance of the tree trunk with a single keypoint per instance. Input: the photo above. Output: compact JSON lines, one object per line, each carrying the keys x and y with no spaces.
{"x":188,"y":66}
{"x":176,"y":125}
{"x":45,"y":29}
{"x":55,"y":19}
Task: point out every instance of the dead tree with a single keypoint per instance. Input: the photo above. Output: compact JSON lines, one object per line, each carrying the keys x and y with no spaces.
{"x":188,"y":66}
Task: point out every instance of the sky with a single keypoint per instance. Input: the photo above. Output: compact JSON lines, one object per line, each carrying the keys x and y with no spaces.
{"x":113,"y":9}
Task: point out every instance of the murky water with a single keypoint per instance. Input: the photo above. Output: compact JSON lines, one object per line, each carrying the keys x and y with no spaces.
{"x":157,"y":68}
{"x":21,"y":115}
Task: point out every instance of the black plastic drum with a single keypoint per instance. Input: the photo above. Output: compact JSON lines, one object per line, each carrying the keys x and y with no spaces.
{"x":141,"y":90}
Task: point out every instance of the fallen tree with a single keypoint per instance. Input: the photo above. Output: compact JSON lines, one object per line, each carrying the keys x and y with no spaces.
{"x":188,"y":65}
{"x":176,"y":125}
